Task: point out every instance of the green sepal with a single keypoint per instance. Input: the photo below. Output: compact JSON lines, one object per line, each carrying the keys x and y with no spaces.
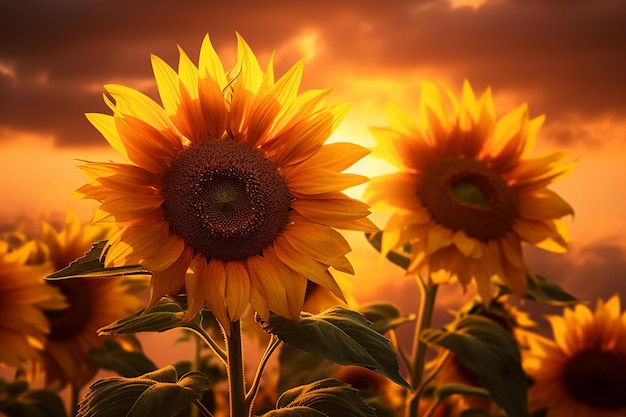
{"x":399,"y":256}
{"x":92,"y":266}
{"x":324,"y":398}
{"x":127,"y":363}
{"x":340,"y":335}
{"x":542,"y":291}
{"x":165,"y":315}
{"x":384,"y":316}
{"x":158,"y":393}
{"x":491,"y":353}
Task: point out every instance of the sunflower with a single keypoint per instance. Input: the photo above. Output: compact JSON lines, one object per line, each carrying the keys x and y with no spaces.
{"x":229,"y":179}
{"x":467,"y":195}
{"x":23,"y":297}
{"x":581,"y":372}
{"x":91,"y":304}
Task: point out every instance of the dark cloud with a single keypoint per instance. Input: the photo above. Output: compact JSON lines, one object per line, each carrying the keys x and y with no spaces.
{"x":566,"y":57}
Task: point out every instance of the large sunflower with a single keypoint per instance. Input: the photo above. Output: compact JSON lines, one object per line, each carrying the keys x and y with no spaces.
{"x":582,"y":372}
{"x":230,"y":179}
{"x":467,"y":195}
{"x":91,"y":304}
{"x":23,"y":297}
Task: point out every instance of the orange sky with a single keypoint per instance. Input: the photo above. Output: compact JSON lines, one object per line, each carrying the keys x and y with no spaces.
{"x":564,"y":58}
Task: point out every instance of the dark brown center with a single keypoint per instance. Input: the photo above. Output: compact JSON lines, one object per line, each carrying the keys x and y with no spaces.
{"x":465,"y":194}
{"x":225,"y":199}
{"x":597,"y":378}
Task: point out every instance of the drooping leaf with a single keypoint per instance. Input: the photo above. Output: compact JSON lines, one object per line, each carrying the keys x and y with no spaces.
{"x":159,"y":393}
{"x":398,"y":256}
{"x":543,"y":291}
{"x":384,"y":316}
{"x":324,"y":398}
{"x":340,"y":335}
{"x":167,"y":314}
{"x":491,"y":353}
{"x":92,"y":266}
{"x":18,"y":400}
{"x":127,"y":363}
{"x":298,"y":367}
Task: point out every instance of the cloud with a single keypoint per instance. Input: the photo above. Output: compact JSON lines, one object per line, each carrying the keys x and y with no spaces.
{"x":563,"y":58}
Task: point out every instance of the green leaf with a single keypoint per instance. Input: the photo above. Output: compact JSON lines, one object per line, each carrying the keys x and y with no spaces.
{"x":17,"y":400}
{"x":492,"y":354}
{"x":167,"y":314}
{"x":543,"y":291}
{"x":92,"y":266}
{"x":126,"y":363}
{"x":159,"y":393}
{"x":298,"y":367}
{"x":398,"y":256}
{"x":325,"y":398}
{"x":384,"y":316}
{"x":340,"y":335}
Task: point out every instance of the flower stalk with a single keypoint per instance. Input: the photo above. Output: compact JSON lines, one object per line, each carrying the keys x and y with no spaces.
{"x":236,"y":378}
{"x":418,"y":357}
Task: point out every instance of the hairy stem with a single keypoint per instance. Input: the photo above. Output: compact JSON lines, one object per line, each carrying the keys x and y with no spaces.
{"x":236,"y":378}
{"x":418,"y":356}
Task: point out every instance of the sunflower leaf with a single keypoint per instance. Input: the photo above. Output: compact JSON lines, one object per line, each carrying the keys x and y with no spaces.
{"x":543,"y":291}
{"x":384,"y":316}
{"x":92,"y":266}
{"x":400,"y":257}
{"x":159,"y":393}
{"x":324,"y":398}
{"x":491,"y":353}
{"x":17,"y":400}
{"x":340,"y":335}
{"x":298,"y":367}
{"x":127,"y":363}
{"x":165,"y":315}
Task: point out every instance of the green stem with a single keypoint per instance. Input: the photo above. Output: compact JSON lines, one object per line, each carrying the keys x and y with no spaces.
{"x":195,"y":366}
{"x":219,"y":352}
{"x":74,"y":393}
{"x":205,"y":412}
{"x":418,"y":356}
{"x":236,"y":378}
{"x":271,"y":347}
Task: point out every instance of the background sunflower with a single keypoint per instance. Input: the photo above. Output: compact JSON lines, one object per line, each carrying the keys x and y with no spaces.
{"x":467,"y":194}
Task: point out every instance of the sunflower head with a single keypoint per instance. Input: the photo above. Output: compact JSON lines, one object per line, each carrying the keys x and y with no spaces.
{"x":89,"y":303}
{"x":582,"y":369}
{"x":24,"y":298}
{"x":228,"y":190}
{"x":467,"y":193}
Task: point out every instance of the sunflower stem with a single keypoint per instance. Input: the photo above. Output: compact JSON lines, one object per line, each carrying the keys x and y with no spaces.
{"x":236,"y":378}
{"x":219,"y":352}
{"x":205,"y":412}
{"x":418,"y":357}
{"x":271,"y":347}
{"x":74,"y":393}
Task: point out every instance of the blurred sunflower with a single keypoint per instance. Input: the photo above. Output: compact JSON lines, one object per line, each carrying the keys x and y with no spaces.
{"x":582,"y":372}
{"x":231,"y":179}
{"x":23,"y":297}
{"x":467,"y":196}
{"x":91,"y":304}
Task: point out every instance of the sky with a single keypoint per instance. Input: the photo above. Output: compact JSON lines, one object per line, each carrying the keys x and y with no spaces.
{"x":564,"y":58}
